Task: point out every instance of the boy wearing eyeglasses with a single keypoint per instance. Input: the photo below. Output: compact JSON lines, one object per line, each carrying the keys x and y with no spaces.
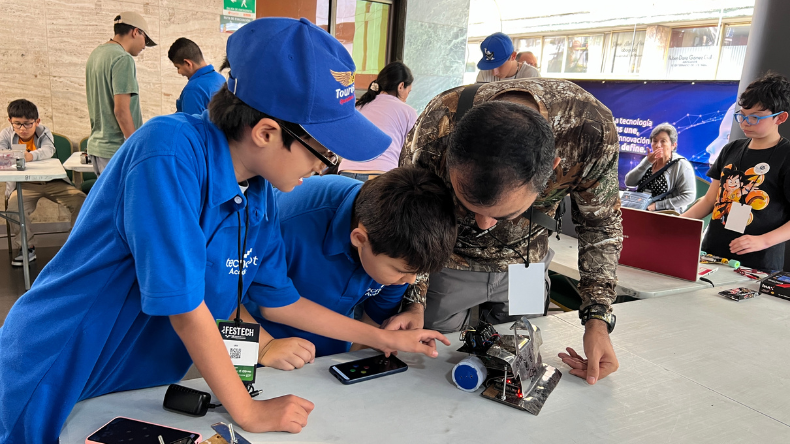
{"x":26,"y":129}
{"x":749,"y":195}
{"x":348,"y":243}
{"x":180,"y":228}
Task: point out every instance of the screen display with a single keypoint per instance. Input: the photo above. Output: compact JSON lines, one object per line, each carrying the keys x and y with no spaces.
{"x":125,"y":430}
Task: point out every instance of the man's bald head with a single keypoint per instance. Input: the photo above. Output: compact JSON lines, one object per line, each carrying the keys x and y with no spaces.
{"x":528,"y":57}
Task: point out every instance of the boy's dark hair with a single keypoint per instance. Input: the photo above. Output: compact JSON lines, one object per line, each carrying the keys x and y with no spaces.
{"x":409,"y":214}
{"x":122,"y":28}
{"x":22,"y":109}
{"x":498,"y":145}
{"x":388,"y":80}
{"x":231,"y":115}
{"x":771,"y":92}
{"x":184,"y":49}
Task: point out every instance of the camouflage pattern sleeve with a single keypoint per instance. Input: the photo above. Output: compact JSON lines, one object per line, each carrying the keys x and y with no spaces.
{"x":595,"y":208}
{"x":416,"y":293}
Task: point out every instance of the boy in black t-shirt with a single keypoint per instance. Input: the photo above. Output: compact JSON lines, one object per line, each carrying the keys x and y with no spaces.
{"x":749,"y":194}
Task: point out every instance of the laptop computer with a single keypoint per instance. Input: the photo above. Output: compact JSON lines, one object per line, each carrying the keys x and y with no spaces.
{"x":661,"y":243}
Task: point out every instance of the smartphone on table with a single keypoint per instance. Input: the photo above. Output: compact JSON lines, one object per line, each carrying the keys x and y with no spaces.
{"x":122,"y":430}
{"x":367,"y":368}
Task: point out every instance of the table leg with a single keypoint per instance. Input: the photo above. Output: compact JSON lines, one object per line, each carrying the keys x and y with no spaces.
{"x":23,"y":233}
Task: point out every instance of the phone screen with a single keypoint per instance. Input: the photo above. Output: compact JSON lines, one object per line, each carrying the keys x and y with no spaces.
{"x":125,"y":430}
{"x":368,"y":368}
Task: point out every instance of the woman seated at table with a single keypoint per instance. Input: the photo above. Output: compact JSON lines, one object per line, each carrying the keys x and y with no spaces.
{"x":384,"y":104}
{"x":664,"y":173}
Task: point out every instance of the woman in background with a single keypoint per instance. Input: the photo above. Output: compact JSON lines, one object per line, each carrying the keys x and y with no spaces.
{"x":676,"y":187}
{"x":385,"y":105}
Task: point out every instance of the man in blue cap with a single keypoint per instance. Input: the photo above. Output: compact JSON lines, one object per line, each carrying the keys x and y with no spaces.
{"x":188,"y":227}
{"x":499,"y":61}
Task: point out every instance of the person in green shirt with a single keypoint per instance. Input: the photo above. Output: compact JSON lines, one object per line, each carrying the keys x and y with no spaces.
{"x":112,"y":90}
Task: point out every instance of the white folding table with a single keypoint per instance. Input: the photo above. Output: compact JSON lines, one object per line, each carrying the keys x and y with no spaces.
{"x":73,"y":164}
{"x":694,"y":368}
{"x":39,"y":171}
{"x":640,"y":284}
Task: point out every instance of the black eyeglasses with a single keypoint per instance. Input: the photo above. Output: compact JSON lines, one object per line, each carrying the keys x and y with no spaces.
{"x":26,"y":125}
{"x":329,"y":160}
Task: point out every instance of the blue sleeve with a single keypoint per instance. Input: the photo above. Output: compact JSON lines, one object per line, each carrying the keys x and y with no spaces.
{"x":161,"y":210}
{"x":191,"y":101}
{"x":386,"y":303}
{"x":271,"y":286}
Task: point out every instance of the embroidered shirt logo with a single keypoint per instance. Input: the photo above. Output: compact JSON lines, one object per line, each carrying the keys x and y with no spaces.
{"x":233,"y":264}
{"x":373,"y":292}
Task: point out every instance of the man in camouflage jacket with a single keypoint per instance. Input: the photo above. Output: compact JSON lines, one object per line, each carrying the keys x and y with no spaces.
{"x":587,"y":147}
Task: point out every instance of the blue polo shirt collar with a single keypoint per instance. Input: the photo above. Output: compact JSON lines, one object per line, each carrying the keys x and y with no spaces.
{"x":338,"y":237}
{"x":221,"y":183}
{"x":201,"y":72}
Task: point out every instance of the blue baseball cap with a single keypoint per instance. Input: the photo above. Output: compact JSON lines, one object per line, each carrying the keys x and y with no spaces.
{"x":496,"y":49}
{"x":295,"y":71}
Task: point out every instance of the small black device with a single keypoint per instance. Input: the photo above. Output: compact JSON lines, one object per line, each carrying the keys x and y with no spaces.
{"x":122,"y":430}
{"x":368,"y":368}
{"x":186,"y":400}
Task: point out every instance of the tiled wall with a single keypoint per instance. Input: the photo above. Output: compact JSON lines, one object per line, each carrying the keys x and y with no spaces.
{"x":435,"y":47}
{"x":44,"y":46}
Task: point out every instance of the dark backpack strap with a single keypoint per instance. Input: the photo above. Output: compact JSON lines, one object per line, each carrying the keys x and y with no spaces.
{"x":656,"y":174}
{"x":466,"y":100}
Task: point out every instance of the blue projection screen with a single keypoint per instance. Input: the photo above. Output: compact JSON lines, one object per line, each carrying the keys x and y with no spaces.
{"x":701,"y":112}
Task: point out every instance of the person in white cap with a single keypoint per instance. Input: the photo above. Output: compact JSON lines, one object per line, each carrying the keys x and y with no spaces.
{"x":112,"y":90}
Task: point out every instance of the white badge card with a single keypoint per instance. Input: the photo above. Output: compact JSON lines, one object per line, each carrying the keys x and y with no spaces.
{"x":242,"y":344}
{"x":526,"y":288}
{"x":738,"y":217}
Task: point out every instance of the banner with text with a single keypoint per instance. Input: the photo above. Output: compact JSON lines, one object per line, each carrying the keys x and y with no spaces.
{"x":701,"y":112}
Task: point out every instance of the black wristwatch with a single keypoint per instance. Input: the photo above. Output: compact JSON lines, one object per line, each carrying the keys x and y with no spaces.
{"x":598,"y":311}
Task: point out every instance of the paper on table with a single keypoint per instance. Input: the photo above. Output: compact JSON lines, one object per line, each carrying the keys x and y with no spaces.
{"x":526,"y":288}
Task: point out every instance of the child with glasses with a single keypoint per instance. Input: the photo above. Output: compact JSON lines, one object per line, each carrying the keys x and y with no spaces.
{"x":749,"y":195}
{"x":26,"y":129}
{"x":349,"y":243}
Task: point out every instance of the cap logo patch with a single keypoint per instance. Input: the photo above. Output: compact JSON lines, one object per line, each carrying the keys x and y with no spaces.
{"x":489,"y":55}
{"x":346,"y":79}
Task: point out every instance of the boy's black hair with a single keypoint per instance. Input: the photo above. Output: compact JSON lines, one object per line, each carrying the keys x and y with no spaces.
{"x":232,"y":115}
{"x":22,"y":109}
{"x":122,"y":28}
{"x":409,"y":214}
{"x":498,"y":145}
{"x":184,"y":49}
{"x":771,"y":92}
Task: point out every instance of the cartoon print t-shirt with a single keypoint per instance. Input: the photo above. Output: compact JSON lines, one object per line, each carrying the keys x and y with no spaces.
{"x":759,"y":179}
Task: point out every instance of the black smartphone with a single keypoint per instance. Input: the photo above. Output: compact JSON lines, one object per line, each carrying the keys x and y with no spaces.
{"x":125,"y":430}
{"x":368,"y":368}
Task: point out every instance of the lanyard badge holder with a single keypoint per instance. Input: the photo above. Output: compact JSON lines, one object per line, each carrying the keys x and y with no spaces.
{"x":241,"y":338}
{"x":526,"y":282}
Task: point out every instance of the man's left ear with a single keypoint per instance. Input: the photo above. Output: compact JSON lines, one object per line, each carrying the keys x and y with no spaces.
{"x":781,"y":118}
{"x":359,"y":237}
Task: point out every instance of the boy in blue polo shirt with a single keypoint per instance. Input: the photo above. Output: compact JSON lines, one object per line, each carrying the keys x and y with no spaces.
{"x":203,"y":82}
{"x":347,"y":243}
{"x":168,"y":215}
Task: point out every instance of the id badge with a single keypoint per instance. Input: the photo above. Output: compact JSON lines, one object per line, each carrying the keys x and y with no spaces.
{"x":738,"y":217}
{"x":526,"y":288}
{"x":242,"y":344}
